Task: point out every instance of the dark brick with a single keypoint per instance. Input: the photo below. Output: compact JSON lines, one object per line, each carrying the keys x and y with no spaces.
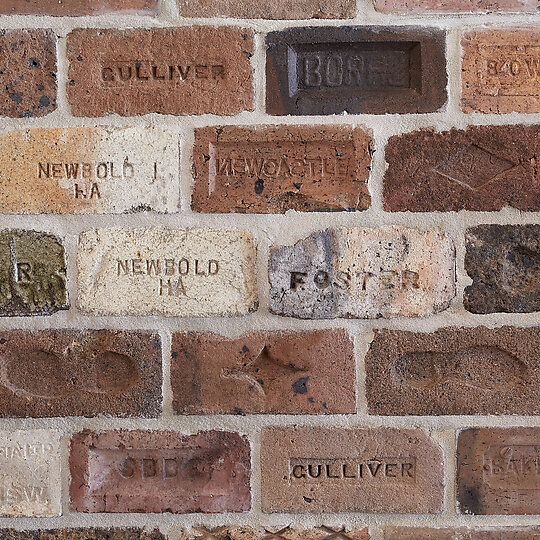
{"x":112,"y":533}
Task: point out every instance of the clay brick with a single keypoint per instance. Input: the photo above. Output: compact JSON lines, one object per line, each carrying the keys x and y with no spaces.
{"x":504,"y":264}
{"x":112,"y":533}
{"x":454,"y":6}
{"x":461,"y":533}
{"x":186,"y":272}
{"x":188,"y":70}
{"x":363,"y":273}
{"x":355,"y":69}
{"x":28,"y":85}
{"x":76,"y":373}
{"x":86,"y":170}
{"x":497,"y":471}
{"x":480,"y":168}
{"x":322,"y":532}
{"x":159,"y":471}
{"x":317,"y":469}
{"x":500,"y":70}
{"x":79,"y":7}
{"x":272,"y":169}
{"x":454,"y":371}
{"x":32,"y":274}
{"x":264,"y":372}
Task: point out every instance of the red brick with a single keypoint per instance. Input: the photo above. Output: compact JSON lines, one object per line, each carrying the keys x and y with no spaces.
{"x":454,"y":6}
{"x":79,"y":7}
{"x":461,"y":533}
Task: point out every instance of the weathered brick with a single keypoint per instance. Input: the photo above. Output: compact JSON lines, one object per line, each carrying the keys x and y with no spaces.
{"x":159,"y":471}
{"x":480,"y":168}
{"x":185,"y":272}
{"x":76,"y":373}
{"x":317,"y":469}
{"x":355,"y":69}
{"x":497,"y":471}
{"x":454,"y":371}
{"x":113,"y":533}
{"x":28,"y":82}
{"x":30,"y":473}
{"x":461,"y":533}
{"x":188,"y":70}
{"x":86,"y":170}
{"x":32,"y":273}
{"x":500,"y":70}
{"x":272,"y":169}
{"x":363,"y":273}
{"x":264,"y":372}
{"x":322,"y":532}
{"x":454,"y":6}
{"x":504,"y":264}
{"x":79,"y":7}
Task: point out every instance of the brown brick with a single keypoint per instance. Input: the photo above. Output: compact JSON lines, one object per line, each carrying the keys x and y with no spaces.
{"x":272,"y":169}
{"x":480,"y":168}
{"x":461,"y":533}
{"x":454,"y":6}
{"x":28,"y":85}
{"x":79,"y":7}
{"x":500,"y":70}
{"x":159,"y":471}
{"x":264,"y":372}
{"x":497,"y":471}
{"x":454,"y":371}
{"x":322,"y":532}
{"x":80,"y":373}
{"x":189,"y":70}
{"x":112,"y":533}
{"x":380,"y":470}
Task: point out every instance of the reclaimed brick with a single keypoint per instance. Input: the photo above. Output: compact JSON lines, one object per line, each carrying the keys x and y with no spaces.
{"x":188,"y":70}
{"x":316,"y":470}
{"x":28,"y":86}
{"x":264,"y":372}
{"x":355,"y":69}
{"x":159,"y":471}
{"x":322,"y":532}
{"x":500,"y":70}
{"x":461,"y":533}
{"x":504,"y":264}
{"x":185,"y":272}
{"x":32,"y":274}
{"x":363,"y":273}
{"x":87,"y":170}
{"x":272,"y":169}
{"x":79,"y":7}
{"x":112,"y":533}
{"x":80,"y":373}
{"x":30,"y":473}
{"x":497,"y":471}
{"x":482,"y":168}
{"x":411,"y":7}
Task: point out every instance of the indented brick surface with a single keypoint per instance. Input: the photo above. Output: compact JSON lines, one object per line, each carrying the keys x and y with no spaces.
{"x":378,"y":70}
{"x":462,"y":533}
{"x":286,"y":532}
{"x":504,"y":264}
{"x":112,"y":533}
{"x":480,"y":168}
{"x":500,"y":70}
{"x":86,"y":170}
{"x":30,"y":473}
{"x":272,"y":169}
{"x":190,"y":70}
{"x":32,"y":273}
{"x":72,"y":373}
{"x":186,"y":272}
{"x":28,"y":77}
{"x":141,"y":471}
{"x":264,"y":372}
{"x":315,"y":469}
{"x":456,"y":6}
{"x":363,"y":273}
{"x":497,"y":471}
{"x":79,"y":7}
{"x":454,"y":371}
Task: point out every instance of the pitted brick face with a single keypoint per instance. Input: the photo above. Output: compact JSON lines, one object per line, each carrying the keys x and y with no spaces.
{"x":113,"y":533}
{"x":79,"y":7}
{"x":410,"y":7}
{"x":323,"y":532}
{"x":461,"y":533}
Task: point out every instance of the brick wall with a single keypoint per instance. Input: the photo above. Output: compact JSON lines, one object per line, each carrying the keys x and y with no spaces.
{"x":269,"y":269}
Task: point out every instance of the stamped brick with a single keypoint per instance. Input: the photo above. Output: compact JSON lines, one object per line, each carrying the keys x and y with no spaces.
{"x":113,"y":533}
{"x":380,"y":470}
{"x":461,"y":533}
{"x":363,"y":273}
{"x":28,"y":85}
{"x":183,"y":272}
{"x":481,"y":168}
{"x":188,"y":70}
{"x":355,"y":69}
{"x":30,"y":482}
{"x":497,"y":471}
{"x":454,"y":6}
{"x":454,"y":371}
{"x":32,"y":274}
{"x":322,"y":532}
{"x":86,"y":170}
{"x":160,"y":471}
{"x":79,"y":7}
{"x":264,"y":372}
{"x":272,"y":169}
{"x":504,"y":264}
{"x":500,"y":70}
{"x":79,"y":373}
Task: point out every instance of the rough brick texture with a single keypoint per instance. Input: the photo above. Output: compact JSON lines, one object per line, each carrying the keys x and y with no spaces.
{"x":79,"y":7}
{"x":286,"y":532}
{"x":461,"y":533}
{"x":112,"y":533}
{"x":450,"y":6}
